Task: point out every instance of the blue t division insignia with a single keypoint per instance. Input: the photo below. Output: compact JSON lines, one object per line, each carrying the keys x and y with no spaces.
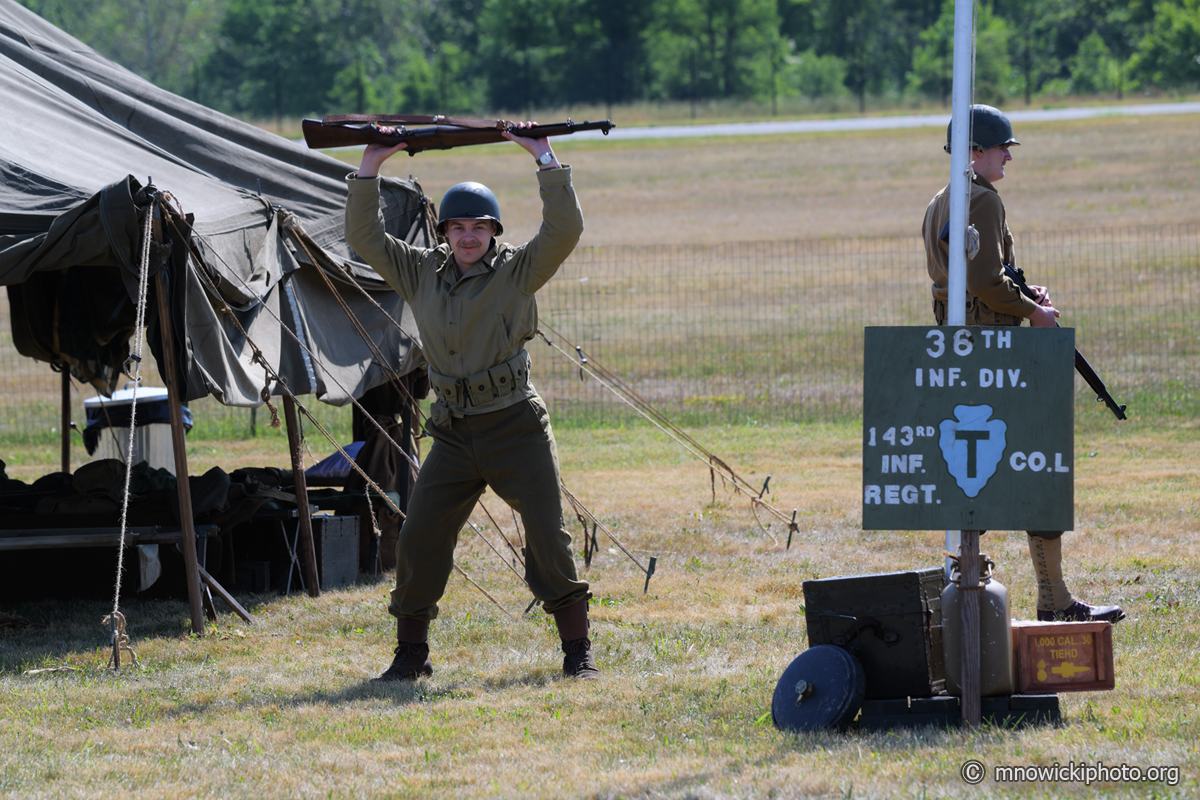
{"x":972,"y":446}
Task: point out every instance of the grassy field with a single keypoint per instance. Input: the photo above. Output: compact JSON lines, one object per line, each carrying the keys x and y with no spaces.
{"x":1103,"y":172}
{"x":283,"y":708}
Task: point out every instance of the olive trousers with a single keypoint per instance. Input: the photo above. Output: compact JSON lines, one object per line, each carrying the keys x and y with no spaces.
{"x":512,"y":451}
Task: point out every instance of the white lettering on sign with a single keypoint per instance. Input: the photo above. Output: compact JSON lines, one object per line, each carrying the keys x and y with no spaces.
{"x":939,"y":343}
{"x":1036,"y":462}
{"x":987,"y":339}
{"x":910,"y":463}
{"x":1003,"y":340}
{"x":894,"y":494}
{"x":964,"y":343}
{"x":953,"y":374}
{"x":908,"y":434}
{"x":989,"y":377}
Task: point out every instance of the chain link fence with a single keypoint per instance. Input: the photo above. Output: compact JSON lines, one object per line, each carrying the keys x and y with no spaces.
{"x":773,"y":331}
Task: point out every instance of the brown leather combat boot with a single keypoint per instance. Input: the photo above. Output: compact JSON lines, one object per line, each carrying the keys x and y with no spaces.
{"x":578,"y":660}
{"x":412,"y":652}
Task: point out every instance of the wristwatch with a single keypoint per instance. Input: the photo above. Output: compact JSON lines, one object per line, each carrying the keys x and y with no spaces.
{"x":545,"y":158}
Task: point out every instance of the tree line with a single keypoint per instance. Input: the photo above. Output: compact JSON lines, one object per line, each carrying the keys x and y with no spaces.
{"x":264,"y":58}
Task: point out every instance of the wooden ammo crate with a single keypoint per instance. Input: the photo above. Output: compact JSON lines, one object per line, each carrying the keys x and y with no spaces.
{"x":1063,"y":656}
{"x":891,"y":622}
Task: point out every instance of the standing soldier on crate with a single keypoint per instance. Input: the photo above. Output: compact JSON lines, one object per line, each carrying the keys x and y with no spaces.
{"x":993,"y":299}
{"x":473,"y":299}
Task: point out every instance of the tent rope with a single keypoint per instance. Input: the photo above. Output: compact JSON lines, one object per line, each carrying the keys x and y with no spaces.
{"x":258,"y":356}
{"x":116,"y":620}
{"x":624,"y":392}
{"x":293,"y":226}
{"x":273,"y":375}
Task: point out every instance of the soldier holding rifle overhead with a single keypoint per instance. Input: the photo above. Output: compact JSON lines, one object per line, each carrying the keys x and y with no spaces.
{"x":473,"y":299}
{"x":994,"y":299}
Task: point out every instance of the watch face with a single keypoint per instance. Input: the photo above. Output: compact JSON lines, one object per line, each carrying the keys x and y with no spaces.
{"x":545,"y":158}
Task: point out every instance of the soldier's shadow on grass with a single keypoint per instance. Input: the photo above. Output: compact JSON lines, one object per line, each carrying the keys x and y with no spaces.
{"x":429,"y":690}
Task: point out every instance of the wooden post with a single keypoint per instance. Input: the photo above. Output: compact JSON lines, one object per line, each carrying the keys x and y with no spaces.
{"x":311,"y":579}
{"x":968,"y":566}
{"x":191,"y":564}
{"x":66,"y":419}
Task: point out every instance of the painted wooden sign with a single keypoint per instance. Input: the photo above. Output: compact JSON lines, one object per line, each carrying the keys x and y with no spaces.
{"x":968,"y":428}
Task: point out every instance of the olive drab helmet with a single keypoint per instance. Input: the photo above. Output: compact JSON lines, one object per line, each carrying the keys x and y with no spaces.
{"x":989,"y":128}
{"x":469,"y":200}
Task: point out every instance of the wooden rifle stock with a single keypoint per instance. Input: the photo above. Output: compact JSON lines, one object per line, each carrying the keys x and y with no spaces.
{"x":340,"y":132}
{"x":1081,"y":364}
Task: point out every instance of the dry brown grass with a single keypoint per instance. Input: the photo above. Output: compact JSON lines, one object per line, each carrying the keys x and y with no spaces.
{"x":1102,"y":172}
{"x":282,"y":709}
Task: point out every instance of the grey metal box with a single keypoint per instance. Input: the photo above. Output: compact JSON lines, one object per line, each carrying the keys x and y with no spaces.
{"x":336,"y":541}
{"x":890,"y":621}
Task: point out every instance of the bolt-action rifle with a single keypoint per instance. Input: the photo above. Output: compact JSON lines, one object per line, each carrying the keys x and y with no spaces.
{"x":436,"y":132}
{"x":1081,"y":364}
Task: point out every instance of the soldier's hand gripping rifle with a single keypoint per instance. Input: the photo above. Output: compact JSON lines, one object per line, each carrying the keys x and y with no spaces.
{"x":435,"y":133}
{"x":1081,"y":364}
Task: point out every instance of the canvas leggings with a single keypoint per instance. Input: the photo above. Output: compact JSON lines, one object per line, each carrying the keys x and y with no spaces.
{"x":511,"y":450}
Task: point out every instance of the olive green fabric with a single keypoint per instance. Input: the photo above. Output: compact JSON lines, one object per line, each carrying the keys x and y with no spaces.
{"x":512,"y":451}
{"x":78,"y":136}
{"x":476,"y":325}
{"x":482,"y":319}
{"x":992,"y":298}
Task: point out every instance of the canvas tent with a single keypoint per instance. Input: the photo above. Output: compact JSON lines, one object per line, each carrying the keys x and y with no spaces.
{"x":251,"y":224}
{"x":79,"y":137}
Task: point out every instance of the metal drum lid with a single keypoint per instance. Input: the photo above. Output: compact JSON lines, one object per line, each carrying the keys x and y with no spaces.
{"x":821,"y":689}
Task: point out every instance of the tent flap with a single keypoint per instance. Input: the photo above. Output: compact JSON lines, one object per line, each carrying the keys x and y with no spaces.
{"x":71,"y":213}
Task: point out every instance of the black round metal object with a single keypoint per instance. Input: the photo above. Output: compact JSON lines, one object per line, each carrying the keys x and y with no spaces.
{"x":822,"y":689}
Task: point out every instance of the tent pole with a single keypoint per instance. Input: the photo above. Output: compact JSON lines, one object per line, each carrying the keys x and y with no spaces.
{"x":66,"y":419}
{"x":312,"y":580}
{"x":191,"y":563}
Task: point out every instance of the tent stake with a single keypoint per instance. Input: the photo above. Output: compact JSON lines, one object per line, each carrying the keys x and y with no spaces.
{"x":311,"y":581}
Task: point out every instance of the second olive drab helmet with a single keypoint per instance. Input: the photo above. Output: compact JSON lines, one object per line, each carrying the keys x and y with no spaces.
{"x":469,"y":200}
{"x":989,"y":128}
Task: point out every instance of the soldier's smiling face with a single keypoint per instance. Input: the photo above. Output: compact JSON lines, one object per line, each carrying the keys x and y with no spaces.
{"x":469,"y":240}
{"x":989,"y":163}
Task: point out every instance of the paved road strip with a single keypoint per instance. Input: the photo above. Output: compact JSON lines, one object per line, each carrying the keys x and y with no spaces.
{"x":881,"y":123}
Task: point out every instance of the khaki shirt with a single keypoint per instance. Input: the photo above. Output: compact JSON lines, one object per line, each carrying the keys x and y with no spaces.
{"x":992,"y":298}
{"x":471,"y":322}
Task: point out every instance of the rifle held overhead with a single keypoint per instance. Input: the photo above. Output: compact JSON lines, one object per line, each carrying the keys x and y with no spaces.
{"x":432,"y":133}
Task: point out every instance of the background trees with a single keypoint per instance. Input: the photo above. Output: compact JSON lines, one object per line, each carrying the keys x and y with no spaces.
{"x":275,"y":58}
